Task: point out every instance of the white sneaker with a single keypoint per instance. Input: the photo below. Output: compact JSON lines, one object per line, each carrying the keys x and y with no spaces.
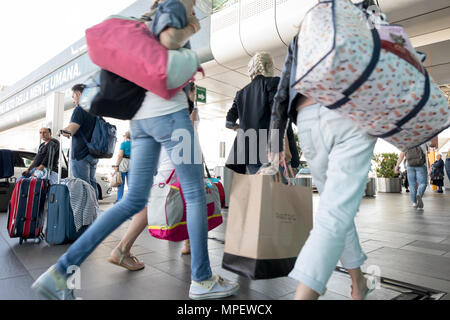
{"x":414,"y":205}
{"x":52,"y":285}
{"x":419,"y":202}
{"x":215,"y":287}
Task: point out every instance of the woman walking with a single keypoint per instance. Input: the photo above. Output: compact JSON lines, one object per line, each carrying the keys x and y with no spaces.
{"x":339,"y":155}
{"x":155,"y":125}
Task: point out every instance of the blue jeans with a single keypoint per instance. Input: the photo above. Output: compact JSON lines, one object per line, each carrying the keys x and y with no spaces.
{"x":417,"y":176}
{"x":148,"y":135}
{"x":121,"y":188}
{"x":339,"y":155}
{"x":84,"y":169}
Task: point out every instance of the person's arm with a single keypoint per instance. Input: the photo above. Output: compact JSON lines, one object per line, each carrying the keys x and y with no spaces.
{"x":72,"y":128}
{"x":399,"y":161}
{"x":119,"y":159}
{"x":174,"y":39}
{"x":280,"y":104}
{"x":27,"y":171}
{"x":194,"y":116}
{"x":232,"y":116}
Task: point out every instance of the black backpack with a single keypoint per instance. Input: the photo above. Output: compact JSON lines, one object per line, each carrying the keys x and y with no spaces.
{"x":109,"y":95}
{"x":415,"y":157}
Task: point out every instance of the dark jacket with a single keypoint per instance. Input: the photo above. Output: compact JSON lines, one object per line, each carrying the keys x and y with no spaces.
{"x":42,"y":156}
{"x":252,"y":106}
{"x":284,"y":106}
{"x":295,"y":161}
{"x":437,"y":170}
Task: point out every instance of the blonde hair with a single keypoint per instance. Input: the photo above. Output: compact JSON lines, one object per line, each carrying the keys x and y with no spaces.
{"x":261,"y":64}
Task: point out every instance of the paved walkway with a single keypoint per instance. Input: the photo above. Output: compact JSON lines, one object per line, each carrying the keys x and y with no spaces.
{"x":405,"y":244}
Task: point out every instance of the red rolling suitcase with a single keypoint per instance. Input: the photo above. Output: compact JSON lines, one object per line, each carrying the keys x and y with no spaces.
{"x":26,"y":209}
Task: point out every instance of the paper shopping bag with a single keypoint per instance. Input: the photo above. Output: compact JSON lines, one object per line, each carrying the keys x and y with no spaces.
{"x":268,"y":223}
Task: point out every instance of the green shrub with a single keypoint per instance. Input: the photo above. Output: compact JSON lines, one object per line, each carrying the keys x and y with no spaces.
{"x":385,"y":164}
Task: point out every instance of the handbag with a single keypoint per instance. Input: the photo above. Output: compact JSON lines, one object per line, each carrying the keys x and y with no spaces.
{"x":166,"y":214}
{"x":127,"y":48}
{"x":124,"y":165}
{"x":219,"y":186}
{"x":353,"y":62}
{"x":116,"y":180}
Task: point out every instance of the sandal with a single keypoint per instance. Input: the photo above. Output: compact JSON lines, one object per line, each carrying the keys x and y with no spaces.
{"x":129,"y":262}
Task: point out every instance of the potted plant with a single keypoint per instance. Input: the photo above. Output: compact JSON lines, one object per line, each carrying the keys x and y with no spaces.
{"x":387,"y":180}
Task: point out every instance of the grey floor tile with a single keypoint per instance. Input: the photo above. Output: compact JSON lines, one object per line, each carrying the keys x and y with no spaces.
{"x":18,"y":288}
{"x":424,"y":250}
{"x":398,"y":243}
{"x":370,"y":246}
{"x":329,"y":295}
{"x":10,"y":265}
{"x":273,"y":288}
{"x":99,"y":272}
{"x":154,"y":258}
{"x":413,"y":262}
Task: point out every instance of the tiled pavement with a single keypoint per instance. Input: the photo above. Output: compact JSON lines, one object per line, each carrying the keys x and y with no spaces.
{"x":405,"y":244}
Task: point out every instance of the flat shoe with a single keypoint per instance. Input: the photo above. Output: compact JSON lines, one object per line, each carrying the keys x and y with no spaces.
{"x":129,"y":262}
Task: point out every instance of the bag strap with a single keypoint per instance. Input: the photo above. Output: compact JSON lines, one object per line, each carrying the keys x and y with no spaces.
{"x":170,"y":177}
{"x":51,"y":155}
{"x":207,"y":170}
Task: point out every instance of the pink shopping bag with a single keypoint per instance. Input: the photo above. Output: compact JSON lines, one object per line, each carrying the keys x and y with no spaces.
{"x":127,"y":48}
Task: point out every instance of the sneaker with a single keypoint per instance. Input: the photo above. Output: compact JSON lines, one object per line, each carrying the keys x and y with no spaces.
{"x":419,"y":202}
{"x":216,"y":287}
{"x":414,"y":205}
{"x":52,"y":285}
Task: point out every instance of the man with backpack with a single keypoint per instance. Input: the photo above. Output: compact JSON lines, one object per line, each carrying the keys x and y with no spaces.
{"x":81,"y":126}
{"x":417,"y":170}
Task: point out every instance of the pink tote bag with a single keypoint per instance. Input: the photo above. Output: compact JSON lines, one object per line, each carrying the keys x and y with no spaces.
{"x":127,"y":48}
{"x":166,"y":214}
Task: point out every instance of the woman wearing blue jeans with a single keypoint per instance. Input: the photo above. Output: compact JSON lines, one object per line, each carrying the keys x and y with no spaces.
{"x":158,"y":123}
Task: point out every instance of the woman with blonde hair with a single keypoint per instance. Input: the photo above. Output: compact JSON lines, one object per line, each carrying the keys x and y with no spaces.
{"x":252,"y":106}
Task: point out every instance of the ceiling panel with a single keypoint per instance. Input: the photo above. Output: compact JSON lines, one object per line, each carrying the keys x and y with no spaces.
{"x":437,"y":53}
{"x":399,"y":10}
{"x":233,"y":78}
{"x":212,"y":68}
{"x":218,"y":87}
{"x":432,"y":22}
{"x":440,"y":74}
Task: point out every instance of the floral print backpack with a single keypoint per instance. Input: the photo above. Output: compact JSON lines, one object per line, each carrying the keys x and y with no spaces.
{"x":353,"y":62}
